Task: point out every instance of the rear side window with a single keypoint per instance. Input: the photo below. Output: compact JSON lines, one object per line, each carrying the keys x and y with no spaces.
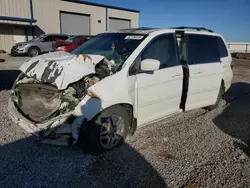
{"x":84,"y":40}
{"x":222,"y":48}
{"x":61,"y":37}
{"x":202,"y":49}
{"x":163,"y":49}
{"x":48,"y":39}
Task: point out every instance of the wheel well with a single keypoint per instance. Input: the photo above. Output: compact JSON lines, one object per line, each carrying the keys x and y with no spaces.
{"x":35,"y":47}
{"x":129,"y":109}
{"x":133,"y":121}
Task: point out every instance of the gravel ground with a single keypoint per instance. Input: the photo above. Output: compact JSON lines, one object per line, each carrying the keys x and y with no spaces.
{"x":8,"y":62}
{"x":198,"y":148}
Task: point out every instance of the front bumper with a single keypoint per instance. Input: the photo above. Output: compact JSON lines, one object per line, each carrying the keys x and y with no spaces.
{"x":19,"y":50}
{"x":40,"y":129}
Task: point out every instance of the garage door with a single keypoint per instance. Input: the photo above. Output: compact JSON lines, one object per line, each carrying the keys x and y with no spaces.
{"x":75,"y":24}
{"x":115,"y":24}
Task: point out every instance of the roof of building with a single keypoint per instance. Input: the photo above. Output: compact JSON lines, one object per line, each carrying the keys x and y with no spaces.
{"x":101,"y":5}
{"x":8,"y":18}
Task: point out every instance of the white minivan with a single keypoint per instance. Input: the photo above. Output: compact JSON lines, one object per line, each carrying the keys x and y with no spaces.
{"x":117,"y":82}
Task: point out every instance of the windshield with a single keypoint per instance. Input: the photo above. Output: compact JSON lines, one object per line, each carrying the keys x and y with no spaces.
{"x":114,"y":46}
{"x":73,"y":39}
{"x":36,"y":39}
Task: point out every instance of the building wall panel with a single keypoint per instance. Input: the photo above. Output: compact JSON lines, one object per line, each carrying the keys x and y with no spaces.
{"x":14,"y":8}
{"x":47,"y":14}
{"x":6,"y":37}
{"x":235,"y":47}
{"x":132,"y":16}
{"x":52,"y":15}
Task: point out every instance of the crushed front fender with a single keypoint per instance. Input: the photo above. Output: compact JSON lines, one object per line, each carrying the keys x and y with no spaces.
{"x":35,"y":129}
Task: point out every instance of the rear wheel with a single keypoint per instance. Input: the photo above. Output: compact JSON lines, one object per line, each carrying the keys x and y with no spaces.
{"x":33,"y":51}
{"x":219,"y":97}
{"x":106,"y":131}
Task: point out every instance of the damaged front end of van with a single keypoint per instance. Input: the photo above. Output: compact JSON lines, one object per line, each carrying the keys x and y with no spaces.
{"x":50,"y":98}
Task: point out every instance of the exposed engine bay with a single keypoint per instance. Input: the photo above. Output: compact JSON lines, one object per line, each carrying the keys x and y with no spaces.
{"x":42,"y":101}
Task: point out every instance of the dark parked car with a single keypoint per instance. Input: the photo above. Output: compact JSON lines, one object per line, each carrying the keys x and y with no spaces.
{"x":71,"y":43}
{"x":38,"y":45}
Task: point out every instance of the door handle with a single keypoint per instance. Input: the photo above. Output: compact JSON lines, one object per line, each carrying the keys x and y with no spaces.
{"x":176,"y":75}
{"x":197,"y":72}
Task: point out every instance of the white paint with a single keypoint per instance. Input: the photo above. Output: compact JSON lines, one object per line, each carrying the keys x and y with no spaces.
{"x":159,"y":93}
{"x":226,"y":66}
{"x":112,"y":90}
{"x":152,"y":95}
{"x":150,"y":65}
{"x":72,"y":67}
{"x":204,"y":84}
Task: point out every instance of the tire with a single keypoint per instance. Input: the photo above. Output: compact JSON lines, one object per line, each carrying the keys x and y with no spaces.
{"x":102,"y":134}
{"x":33,"y":51}
{"x":219,"y":97}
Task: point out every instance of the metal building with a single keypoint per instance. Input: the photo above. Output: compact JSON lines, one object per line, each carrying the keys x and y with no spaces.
{"x":21,"y":20}
{"x":239,"y":47}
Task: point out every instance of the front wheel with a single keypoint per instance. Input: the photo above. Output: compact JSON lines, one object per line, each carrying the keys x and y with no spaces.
{"x":106,"y":131}
{"x":33,"y":51}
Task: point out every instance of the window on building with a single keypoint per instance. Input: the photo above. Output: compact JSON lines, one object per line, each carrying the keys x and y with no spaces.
{"x":163,"y":49}
{"x":202,"y":49}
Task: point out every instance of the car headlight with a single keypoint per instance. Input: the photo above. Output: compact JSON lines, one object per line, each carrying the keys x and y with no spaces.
{"x":21,"y":45}
{"x":60,"y":48}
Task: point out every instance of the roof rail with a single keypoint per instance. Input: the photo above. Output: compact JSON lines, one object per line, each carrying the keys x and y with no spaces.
{"x":139,"y":28}
{"x":195,"y":28}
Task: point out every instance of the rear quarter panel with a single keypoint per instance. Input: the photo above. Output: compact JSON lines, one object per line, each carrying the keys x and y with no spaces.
{"x":227,"y":70}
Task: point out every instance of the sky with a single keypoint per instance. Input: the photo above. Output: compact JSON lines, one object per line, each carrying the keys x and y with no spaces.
{"x":231,"y":18}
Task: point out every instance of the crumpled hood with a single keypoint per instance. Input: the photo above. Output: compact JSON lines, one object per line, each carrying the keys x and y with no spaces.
{"x":60,"y":68}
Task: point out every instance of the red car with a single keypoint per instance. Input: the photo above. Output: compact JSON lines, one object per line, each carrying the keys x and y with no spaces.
{"x":71,"y":43}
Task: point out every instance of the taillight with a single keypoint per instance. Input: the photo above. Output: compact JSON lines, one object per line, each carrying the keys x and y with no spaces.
{"x":60,"y":48}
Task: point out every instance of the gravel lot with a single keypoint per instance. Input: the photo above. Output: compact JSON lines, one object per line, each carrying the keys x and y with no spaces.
{"x":198,"y":148}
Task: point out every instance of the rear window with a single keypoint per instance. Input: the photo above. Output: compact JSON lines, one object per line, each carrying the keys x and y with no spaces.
{"x":222,"y":48}
{"x":48,"y":39}
{"x":202,"y":49}
{"x":73,"y":39}
{"x":61,"y":37}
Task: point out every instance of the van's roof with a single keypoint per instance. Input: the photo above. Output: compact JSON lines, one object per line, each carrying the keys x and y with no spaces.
{"x":148,"y":30}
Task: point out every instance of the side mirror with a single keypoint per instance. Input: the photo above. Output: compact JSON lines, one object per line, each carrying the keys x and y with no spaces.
{"x":150,"y":65}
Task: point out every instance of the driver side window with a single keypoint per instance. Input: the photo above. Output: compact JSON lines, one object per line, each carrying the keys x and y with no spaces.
{"x":162,"y":48}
